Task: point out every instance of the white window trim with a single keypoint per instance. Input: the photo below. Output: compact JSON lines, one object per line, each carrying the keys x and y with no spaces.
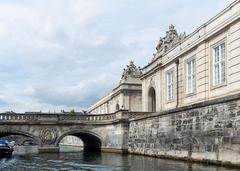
{"x":214,"y":64}
{"x":191,"y":77}
{"x":171,"y":85}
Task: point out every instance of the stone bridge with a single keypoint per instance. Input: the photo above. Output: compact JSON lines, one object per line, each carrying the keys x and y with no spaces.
{"x":108,"y":132}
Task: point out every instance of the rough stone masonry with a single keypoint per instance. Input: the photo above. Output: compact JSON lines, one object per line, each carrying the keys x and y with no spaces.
{"x":208,"y":131}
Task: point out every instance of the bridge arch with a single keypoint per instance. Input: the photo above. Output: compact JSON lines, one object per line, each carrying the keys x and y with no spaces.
{"x":91,"y":141}
{"x":22,"y":133}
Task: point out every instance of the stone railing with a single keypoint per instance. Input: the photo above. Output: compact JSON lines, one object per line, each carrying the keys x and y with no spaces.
{"x":73,"y":117}
{"x":17,"y":117}
{"x":61,"y":117}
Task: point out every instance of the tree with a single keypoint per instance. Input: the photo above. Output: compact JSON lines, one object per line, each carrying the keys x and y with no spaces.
{"x":72,"y":112}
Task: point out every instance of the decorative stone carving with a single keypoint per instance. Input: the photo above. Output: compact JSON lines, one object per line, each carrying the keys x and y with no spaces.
{"x":152,"y":83}
{"x":131,"y":72}
{"x":171,"y":39}
{"x":48,"y":135}
{"x":4,"y":129}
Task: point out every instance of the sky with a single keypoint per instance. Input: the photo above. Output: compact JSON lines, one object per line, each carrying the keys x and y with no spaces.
{"x":66,"y":54}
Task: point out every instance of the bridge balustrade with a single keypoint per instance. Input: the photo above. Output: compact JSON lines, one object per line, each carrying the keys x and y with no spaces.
{"x":60,"y":117}
{"x":87,"y":117}
{"x":17,"y":117}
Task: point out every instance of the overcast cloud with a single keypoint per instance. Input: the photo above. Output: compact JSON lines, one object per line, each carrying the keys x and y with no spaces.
{"x":66,"y":54}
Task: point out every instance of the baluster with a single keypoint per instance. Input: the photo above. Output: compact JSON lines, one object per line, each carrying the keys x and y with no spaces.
{"x":59,"y":117}
{"x":32,"y":117}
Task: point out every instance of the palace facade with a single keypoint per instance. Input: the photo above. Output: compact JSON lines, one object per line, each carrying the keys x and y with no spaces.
{"x":127,"y":95}
{"x":185,"y":70}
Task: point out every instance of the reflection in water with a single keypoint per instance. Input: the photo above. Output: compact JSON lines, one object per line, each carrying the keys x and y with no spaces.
{"x":73,"y":159}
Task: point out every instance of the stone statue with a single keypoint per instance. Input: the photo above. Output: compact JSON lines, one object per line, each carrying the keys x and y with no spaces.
{"x":131,"y":72}
{"x":171,"y":39}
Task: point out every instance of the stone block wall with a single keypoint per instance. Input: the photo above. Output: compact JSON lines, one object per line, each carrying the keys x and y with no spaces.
{"x":208,"y":131}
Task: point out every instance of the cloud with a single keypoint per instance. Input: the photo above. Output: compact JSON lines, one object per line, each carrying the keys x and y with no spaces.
{"x":83,"y":93}
{"x":65,"y":54}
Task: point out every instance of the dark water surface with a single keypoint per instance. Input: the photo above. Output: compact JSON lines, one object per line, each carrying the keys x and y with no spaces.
{"x":86,"y":161}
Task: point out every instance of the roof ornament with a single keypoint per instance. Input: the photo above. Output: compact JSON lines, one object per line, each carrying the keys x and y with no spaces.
{"x":168,"y":42}
{"x":131,"y":72}
{"x":171,"y":27}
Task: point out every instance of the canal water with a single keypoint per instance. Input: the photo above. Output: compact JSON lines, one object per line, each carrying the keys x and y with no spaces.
{"x":74,"y":159}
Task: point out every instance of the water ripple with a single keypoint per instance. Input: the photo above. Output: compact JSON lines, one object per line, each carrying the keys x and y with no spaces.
{"x":82,"y":161}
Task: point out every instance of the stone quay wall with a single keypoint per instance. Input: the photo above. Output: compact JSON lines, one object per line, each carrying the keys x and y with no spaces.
{"x":206,"y":132}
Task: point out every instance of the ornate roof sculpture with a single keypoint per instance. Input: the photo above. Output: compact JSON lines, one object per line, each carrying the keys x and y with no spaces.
{"x":171,"y":39}
{"x":131,"y":73}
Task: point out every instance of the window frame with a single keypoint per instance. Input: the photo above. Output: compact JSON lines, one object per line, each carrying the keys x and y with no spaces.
{"x":213,"y":57}
{"x":172,"y":86}
{"x":193,"y":74}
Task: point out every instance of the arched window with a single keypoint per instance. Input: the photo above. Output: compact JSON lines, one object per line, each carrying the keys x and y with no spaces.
{"x":117,"y":107}
{"x":151,"y":100}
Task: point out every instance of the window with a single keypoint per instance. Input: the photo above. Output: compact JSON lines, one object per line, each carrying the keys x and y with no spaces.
{"x":219,"y":70}
{"x":191,"y":76}
{"x":170,"y":85}
{"x":152,"y":100}
{"x":117,"y":107}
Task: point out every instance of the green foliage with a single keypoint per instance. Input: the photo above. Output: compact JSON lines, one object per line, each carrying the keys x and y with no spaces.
{"x":72,"y":112}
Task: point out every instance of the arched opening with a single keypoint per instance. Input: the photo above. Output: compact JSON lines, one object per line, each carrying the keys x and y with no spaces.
{"x":151,"y":100}
{"x":87,"y":141}
{"x":117,"y":107}
{"x":20,"y":139}
{"x":24,"y":142}
{"x":71,"y":143}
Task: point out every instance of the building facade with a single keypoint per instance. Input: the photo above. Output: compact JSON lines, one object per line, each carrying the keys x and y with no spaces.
{"x":127,"y":95}
{"x":187,"y":104}
{"x":185,"y":70}
{"x":200,"y":67}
